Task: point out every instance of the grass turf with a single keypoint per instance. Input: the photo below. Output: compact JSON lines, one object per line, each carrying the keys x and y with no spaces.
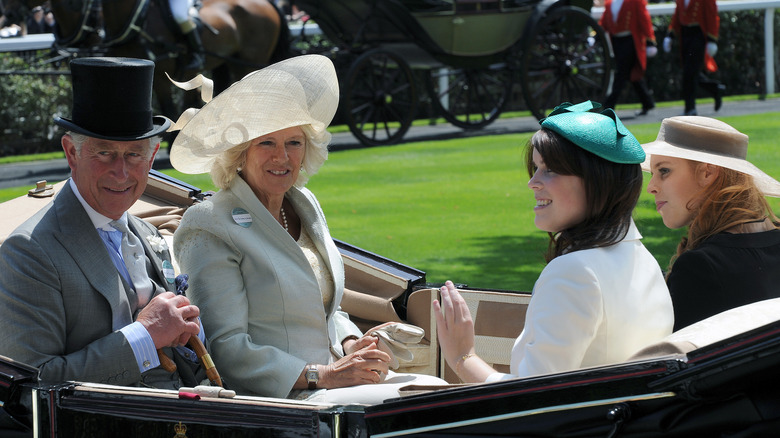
{"x":461,"y":210}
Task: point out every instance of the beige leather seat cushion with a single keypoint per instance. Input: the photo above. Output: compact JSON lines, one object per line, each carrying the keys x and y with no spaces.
{"x":715,"y":328}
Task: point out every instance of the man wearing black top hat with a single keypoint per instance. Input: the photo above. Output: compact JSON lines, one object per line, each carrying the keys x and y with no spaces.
{"x":76,"y":300}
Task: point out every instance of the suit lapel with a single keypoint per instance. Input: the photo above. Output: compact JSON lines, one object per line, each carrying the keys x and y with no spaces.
{"x":83,"y":243}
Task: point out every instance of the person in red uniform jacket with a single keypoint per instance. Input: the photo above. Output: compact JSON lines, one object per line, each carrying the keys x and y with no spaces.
{"x":697,"y":23}
{"x":633,"y":40}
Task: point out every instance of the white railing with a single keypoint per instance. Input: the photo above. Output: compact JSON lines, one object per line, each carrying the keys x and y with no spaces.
{"x":768,"y":6}
{"x":46,"y":40}
{"x":39,"y":41}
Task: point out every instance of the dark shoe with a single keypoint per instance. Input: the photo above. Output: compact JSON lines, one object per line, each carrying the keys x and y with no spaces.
{"x":197,"y":61}
{"x":719,"y":96}
{"x":691,"y":113}
{"x":197,"y":57}
{"x":644,"y":111}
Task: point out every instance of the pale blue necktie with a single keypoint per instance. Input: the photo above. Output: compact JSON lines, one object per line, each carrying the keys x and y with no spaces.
{"x":135,"y":261}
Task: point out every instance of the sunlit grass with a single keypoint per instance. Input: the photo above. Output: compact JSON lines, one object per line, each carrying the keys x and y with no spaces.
{"x":460,"y":209}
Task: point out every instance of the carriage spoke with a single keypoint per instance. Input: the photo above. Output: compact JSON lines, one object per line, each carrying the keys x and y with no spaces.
{"x":380,"y":98}
{"x":567,"y":58}
{"x":470,"y":98}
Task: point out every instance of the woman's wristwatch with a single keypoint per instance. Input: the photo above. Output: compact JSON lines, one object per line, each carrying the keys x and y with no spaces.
{"x":312,"y":376}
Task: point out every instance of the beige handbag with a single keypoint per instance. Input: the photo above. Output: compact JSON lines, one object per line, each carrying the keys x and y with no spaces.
{"x":395,"y":338}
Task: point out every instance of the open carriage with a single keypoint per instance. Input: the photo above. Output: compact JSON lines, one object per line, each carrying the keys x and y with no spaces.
{"x":715,"y":378}
{"x":471,"y":54}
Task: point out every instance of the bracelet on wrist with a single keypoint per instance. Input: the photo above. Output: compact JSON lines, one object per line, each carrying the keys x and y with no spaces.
{"x":462,"y":360}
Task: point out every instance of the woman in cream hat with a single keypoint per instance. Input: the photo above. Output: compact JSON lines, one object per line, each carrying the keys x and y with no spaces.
{"x":262,"y":264}
{"x":702,"y":180}
{"x":602,"y":296}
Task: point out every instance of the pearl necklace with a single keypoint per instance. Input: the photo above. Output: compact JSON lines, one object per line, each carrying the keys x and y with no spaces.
{"x":284,"y":219}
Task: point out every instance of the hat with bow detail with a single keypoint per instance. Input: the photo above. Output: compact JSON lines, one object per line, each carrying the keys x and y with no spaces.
{"x":303,"y":90}
{"x":597,"y":131}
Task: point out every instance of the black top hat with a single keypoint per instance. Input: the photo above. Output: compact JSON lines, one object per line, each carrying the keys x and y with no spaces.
{"x":112,"y":99}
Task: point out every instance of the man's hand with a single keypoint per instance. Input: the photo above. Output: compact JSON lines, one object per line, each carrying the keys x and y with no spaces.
{"x":170,"y":320}
{"x":651,"y":51}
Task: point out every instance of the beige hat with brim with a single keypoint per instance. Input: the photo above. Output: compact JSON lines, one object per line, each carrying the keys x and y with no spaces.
{"x":707,"y":140}
{"x":302,"y":90}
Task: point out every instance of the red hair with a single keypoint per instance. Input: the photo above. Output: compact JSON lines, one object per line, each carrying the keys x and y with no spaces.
{"x":731,"y":200}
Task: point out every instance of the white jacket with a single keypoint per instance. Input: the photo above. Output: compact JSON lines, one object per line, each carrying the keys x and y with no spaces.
{"x":593,"y":307}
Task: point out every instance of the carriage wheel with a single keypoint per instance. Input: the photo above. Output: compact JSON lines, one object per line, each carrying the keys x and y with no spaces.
{"x":565,"y":58}
{"x":470,"y":98}
{"x":380,"y":98}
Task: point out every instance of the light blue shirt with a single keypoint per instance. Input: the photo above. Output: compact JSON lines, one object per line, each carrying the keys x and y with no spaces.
{"x":113,"y":240}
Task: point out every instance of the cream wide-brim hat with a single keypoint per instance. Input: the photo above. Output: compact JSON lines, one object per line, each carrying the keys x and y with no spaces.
{"x":303,"y":90}
{"x":707,"y":140}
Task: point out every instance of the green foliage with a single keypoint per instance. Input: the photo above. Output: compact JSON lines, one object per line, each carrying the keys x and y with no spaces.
{"x":32,"y":157}
{"x":460,"y":209}
{"x":312,"y":44}
{"x":740,"y":58}
{"x":29,"y":102}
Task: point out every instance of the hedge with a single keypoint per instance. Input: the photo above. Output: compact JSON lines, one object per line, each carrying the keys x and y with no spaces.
{"x":29,"y":102}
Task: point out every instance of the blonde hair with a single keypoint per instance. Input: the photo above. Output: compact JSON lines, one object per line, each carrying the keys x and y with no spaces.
{"x":227,"y":164}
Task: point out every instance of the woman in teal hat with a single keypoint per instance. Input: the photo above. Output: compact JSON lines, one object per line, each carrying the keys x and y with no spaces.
{"x":602,"y":295}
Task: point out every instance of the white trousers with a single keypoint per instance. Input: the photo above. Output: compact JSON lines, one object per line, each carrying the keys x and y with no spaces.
{"x":371,"y":394}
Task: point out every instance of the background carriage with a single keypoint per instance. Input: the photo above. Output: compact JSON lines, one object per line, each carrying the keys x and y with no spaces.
{"x":467,"y":59}
{"x":469,"y":55}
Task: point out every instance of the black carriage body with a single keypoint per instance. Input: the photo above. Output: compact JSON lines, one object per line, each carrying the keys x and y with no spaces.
{"x":74,"y":410}
{"x":423,"y":31}
{"x":728,"y":387}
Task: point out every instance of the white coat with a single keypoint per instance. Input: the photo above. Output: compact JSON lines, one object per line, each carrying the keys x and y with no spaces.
{"x":593,"y":307}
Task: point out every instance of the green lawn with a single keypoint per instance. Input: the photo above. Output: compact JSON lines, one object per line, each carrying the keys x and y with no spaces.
{"x":460,"y":209}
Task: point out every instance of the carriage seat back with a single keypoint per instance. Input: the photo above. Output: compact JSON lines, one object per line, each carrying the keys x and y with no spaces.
{"x":714,"y":329}
{"x":498,"y":320}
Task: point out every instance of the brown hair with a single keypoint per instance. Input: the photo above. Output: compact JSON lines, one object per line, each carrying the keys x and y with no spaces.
{"x":732,"y":199}
{"x":611,"y":189}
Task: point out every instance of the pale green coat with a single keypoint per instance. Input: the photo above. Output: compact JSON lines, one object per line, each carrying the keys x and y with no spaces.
{"x":260,"y":303}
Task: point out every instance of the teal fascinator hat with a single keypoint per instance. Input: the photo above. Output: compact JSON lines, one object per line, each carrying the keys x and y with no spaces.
{"x":596,"y":130}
